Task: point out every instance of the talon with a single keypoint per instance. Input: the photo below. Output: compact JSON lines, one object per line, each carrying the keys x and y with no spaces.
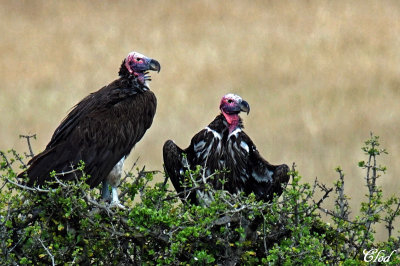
{"x":117,"y":204}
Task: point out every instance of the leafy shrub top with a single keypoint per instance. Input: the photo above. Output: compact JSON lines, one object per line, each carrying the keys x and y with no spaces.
{"x":67,"y":224}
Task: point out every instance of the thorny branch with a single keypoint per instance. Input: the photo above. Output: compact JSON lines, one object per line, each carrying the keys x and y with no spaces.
{"x":5,"y":159}
{"x":324,"y":197}
{"x":47,"y":251}
{"x":26,"y":187}
{"x":389,"y":219}
{"x":28,"y":140}
{"x":341,"y":200}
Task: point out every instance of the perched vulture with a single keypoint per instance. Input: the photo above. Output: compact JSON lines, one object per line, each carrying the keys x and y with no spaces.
{"x":224,"y":145}
{"x":101,"y":130}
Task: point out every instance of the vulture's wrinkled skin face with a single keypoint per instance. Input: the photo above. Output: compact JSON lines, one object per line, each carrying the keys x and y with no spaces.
{"x":138,"y":65}
{"x":232,"y":104}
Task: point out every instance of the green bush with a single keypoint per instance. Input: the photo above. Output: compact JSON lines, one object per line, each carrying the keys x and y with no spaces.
{"x":66,"y":223}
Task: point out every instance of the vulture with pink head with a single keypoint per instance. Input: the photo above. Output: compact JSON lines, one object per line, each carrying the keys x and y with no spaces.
{"x":101,"y":130}
{"x":223,"y":146}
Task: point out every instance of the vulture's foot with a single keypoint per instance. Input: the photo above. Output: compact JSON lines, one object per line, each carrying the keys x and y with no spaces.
{"x":117,"y":204}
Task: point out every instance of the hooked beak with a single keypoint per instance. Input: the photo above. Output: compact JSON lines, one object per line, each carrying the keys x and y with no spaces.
{"x":154,"y":65}
{"x":245,"y":107}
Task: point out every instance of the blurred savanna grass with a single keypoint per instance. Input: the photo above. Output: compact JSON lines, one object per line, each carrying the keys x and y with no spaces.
{"x":319,"y":75}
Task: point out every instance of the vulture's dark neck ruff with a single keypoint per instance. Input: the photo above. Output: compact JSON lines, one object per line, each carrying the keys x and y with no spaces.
{"x":221,"y":125}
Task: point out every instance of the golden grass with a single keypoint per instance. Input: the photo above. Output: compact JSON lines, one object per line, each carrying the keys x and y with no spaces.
{"x":319,"y":75}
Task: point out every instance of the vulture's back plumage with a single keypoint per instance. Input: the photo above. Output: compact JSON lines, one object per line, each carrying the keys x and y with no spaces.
{"x":223,"y":145}
{"x":102,"y":128}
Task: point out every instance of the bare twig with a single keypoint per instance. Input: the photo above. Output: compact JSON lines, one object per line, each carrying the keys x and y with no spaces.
{"x":59,"y":181}
{"x":48,"y":251}
{"x":325,"y":196}
{"x":27,"y":188}
{"x":18,"y":157}
{"x":74,"y":170}
{"x":19,"y":241}
{"x":28,"y":139}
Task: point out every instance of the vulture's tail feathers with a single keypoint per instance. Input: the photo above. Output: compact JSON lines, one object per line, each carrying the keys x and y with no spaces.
{"x":57,"y":158}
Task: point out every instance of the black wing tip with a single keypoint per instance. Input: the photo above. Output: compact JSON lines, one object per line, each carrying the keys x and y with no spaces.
{"x":168,"y":146}
{"x":168,"y":142}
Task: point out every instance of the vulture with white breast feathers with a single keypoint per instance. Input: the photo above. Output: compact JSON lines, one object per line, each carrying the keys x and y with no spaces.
{"x":224,"y":145}
{"x":101,"y":130}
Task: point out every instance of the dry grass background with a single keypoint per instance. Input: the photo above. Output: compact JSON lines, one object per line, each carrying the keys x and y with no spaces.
{"x":319,"y":75}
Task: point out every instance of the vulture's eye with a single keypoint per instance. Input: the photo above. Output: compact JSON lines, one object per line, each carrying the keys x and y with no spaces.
{"x":230,"y":101}
{"x":138,"y":59}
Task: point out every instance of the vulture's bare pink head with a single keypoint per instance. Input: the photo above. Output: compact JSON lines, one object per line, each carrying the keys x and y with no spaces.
{"x":231,"y":105}
{"x":138,"y":65}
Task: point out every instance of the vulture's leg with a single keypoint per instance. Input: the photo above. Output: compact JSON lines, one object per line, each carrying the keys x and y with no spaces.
{"x":105,"y":191}
{"x":115,"y":201}
{"x":114,"y":178}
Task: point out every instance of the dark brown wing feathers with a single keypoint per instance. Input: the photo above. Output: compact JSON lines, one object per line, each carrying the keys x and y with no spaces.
{"x":100,"y":130}
{"x":215,"y":149}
